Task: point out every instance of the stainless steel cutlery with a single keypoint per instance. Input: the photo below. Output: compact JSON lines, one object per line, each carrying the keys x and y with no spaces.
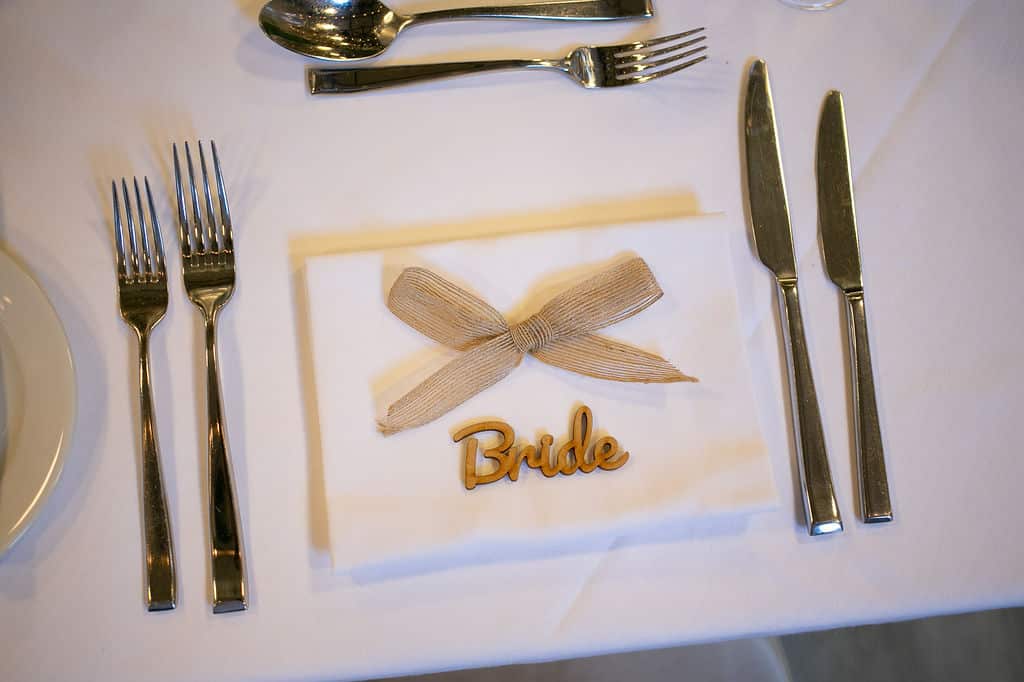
{"x":208,"y":271}
{"x":773,"y":237}
{"x":142,"y":296}
{"x":352,"y":30}
{"x":769,"y":215}
{"x":347,"y":30}
{"x":589,"y":66}
{"x":208,"y":268}
{"x":837,"y":219}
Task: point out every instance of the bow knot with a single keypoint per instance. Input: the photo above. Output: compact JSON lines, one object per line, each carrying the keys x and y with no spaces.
{"x":531,"y":334}
{"x":562,"y":334}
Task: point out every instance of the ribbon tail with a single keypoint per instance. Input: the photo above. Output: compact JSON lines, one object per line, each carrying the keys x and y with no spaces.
{"x":602,"y":358}
{"x":475,"y":370}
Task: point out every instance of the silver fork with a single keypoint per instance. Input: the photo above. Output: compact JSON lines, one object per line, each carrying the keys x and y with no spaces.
{"x":208,"y":267}
{"x":591,"y":67}
{"x":142,"y":296}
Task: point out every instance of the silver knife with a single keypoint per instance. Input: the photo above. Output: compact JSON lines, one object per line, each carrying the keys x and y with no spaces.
{"x":838,"y":221}
{"x":773,"y":239}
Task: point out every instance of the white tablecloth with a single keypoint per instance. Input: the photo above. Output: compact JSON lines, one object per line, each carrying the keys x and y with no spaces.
{"x":98,"y":90}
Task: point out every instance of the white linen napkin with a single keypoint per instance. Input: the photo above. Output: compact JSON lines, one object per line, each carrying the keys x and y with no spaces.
{"x":399,"y":502}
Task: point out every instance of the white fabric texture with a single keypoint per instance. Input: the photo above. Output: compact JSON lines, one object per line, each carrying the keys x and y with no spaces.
{"x":398,"y":502}
{"x":96,"y":91}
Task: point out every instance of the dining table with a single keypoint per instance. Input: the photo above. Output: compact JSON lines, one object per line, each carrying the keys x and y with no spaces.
{"x":933,"y":92}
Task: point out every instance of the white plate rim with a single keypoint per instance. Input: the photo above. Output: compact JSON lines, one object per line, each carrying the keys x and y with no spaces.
{"x":10,"y":538}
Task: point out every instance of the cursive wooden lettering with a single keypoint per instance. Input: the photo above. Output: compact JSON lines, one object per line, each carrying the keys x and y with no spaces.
{"x":570,"y":458}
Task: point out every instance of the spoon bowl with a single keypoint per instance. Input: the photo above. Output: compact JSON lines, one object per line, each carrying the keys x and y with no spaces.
{"x":332,"y":29}
{"x":346,"y":30}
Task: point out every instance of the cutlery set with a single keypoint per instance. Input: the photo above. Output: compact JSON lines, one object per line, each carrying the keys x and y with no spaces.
{"x":208,"y":271}
{"x":773,"y":238}
{"x":353,"y":30}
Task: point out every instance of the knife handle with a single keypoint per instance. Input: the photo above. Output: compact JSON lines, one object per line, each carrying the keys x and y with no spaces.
{"x":874,"y":483}
{"x":820,"y":508}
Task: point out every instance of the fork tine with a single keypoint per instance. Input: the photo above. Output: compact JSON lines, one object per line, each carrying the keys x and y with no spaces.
{"x":227,"y":233}
{"x":211,"y":226}
{"x":147,"y":252}
{"x":665,"y":72}
{"x":197,"y":215}
{"x":625,"y":71}
{"x":633,"y":47}
{"x":157,"y":238}
{"x":183,"y":227}
{"x":642,"y":55}
{"x":131,"y":229}
{"x":122,"y":267}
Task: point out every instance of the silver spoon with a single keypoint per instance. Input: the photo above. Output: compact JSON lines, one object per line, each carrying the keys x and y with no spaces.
{"x":345,"y":30}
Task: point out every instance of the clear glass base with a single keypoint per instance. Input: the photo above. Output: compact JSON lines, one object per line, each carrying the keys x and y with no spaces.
{"x":812,"y":4}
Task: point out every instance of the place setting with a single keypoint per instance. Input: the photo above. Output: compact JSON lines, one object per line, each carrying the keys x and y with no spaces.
{"x":412,"y":336}
{"x":479,"y":399}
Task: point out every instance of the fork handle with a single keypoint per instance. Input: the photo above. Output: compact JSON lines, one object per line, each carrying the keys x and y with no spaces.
{"x":160,"y":578}
{"x":335,"y":81}
{"x":570,"y":10}
{"x":227,"y":559}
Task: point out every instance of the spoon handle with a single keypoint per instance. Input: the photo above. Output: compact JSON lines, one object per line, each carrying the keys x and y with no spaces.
{"x":335,"y":81}
{"x":568,"y":10}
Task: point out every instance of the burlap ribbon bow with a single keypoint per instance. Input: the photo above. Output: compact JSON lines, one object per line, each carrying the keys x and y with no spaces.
{"x":561,"y":334}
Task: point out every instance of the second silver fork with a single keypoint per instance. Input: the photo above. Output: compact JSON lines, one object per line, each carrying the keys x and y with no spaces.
{"x":589,"y":66}
{"x":208,"y":268}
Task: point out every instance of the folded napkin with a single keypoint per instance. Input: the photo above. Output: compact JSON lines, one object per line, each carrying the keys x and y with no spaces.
{"x":400,"y":502}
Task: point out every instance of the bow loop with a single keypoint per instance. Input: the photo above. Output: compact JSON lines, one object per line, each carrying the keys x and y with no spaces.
{"x":608,"y":297}
{"x":443,"y":311}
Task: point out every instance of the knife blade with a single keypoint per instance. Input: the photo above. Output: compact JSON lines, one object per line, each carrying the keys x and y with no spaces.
{"x":766,"y":185}
{"x":837,"y":219}
{"x":773,"y":240}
